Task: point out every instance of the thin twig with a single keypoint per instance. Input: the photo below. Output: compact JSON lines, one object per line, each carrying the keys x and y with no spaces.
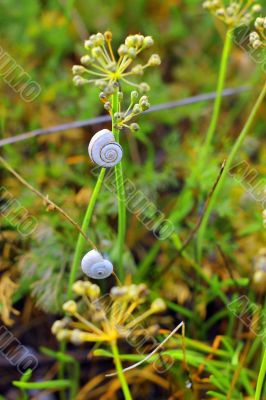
{"x":195,"y":229}
{"x":226,"y":263}
{"x":197,"y":226}
{"x":106,"y":118}
{"x":46,"y":200}
{"x":152,"y":353}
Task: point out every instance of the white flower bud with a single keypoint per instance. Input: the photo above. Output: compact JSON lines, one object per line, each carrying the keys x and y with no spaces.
{"x":220,"y":12}
{"x":70,"y":307}
{"x":207,"y":5}
{"x":134,"y":127}
{"x":256,"y":44}
{"x":136,"y":109}
{"x":139,"y":40}
{"x":143,"y":99}
{"x":154,"y":60}
{"x":63,"y":334}
{"x":119,"y":291}
{"x":131,"y":41}
{"x":99,"y":39}
{"x":88,"y":44}
{"x":108,"y":106}
{"x":132,"y":53}
{"x":122,"y":50}
{"x":79,"y":81}
{"x":93,"y":292}
{"x":144,"y":87}
{"x":134,"y":95}
{"x":148,"y":41}
{"x":79,"y":288}
{"x":259,"y":23}
{"x":253,"y":36}
{"x":145,"y":105}
{"x":118,"y":116}
{"x":137,"y":69}
{"x":158,"y":305}
{"x":76,"y":337}
{"x":86,"y":60}
{"x":57,"y":326}
{"x":96,"y":52}
{"x":256,"y":8}
{"x":78,"y":69}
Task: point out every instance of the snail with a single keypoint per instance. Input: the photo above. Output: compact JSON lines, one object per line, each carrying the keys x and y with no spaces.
{"x":104,"y":150}
{"x":95,"y":266}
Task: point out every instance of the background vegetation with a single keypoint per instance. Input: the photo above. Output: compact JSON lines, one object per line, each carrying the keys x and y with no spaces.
{"x":46,"y":39}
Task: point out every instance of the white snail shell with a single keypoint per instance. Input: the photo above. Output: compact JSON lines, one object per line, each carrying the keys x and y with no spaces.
{"x":104,"y":150}
{"x":95,"y":266}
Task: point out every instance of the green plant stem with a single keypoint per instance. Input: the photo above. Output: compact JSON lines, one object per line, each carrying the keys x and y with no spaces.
{"x":81,"y":241}
{"x":77,"y":257}
{"x":54,"y":385}
{"x":232,"y":155}
{"x":61,"y":372}
{"x":74,"y":380}
{"x":178,"y":244}
{"x":218,"y":101}
{"x":119,"y":369}
{"x":261,"y":378}
{"x":121,"y":197}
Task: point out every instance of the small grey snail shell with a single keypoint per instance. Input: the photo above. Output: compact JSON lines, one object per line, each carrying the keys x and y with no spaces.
{"x":104,"y":150}
{"x":95,"y":266}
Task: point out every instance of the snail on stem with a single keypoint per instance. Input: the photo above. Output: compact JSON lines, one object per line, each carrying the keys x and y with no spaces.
{"x":95,"y":266}
{"x":104,"y":150}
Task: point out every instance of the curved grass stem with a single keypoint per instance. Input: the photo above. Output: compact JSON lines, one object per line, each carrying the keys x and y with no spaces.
{"x":231,"y":158}
{"x":217,"y":104}
{"x":120,"y":373}
{"x":121,"y":198}
{"x":81,"y":241}
{"x":261,"y":378}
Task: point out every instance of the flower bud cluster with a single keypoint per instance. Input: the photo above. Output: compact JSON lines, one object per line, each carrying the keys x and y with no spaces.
{"x":136,"y":107}
{"x":96,"y":319}
{"x":258,"y":38}
{"x":235,"y":13}
{"x":101,"y":67}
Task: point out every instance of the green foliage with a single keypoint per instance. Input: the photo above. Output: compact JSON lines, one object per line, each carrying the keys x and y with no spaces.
{"x":45,"y":268}
{"x":161,"y":160}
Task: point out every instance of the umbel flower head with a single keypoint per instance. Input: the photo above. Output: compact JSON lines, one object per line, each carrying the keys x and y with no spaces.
{"x":104,"y":319}
{"x":233,"y":12}
{"x":106,"y":70}
{"x":258,"y":38}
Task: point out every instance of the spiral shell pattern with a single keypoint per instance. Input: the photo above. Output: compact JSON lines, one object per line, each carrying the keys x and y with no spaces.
{"x":104,"y":150}
{"x":95,"y":266}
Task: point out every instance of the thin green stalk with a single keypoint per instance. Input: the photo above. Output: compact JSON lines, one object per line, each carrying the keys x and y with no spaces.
{"x":81,"y":240}
{"x":218,"y":101}
{"x":121,"y":197}
{"x":146,"y":262}
{"x":53,"y":385}
{"x":178,"y":244}
{"x":69,"y":8}
{"x":232,"y":155}
{"x":75,"y":380}
{"x":261,"y":378}
{"x":119,"y":369}
{"x":77,"y":257}
{"x":61,"y":372}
